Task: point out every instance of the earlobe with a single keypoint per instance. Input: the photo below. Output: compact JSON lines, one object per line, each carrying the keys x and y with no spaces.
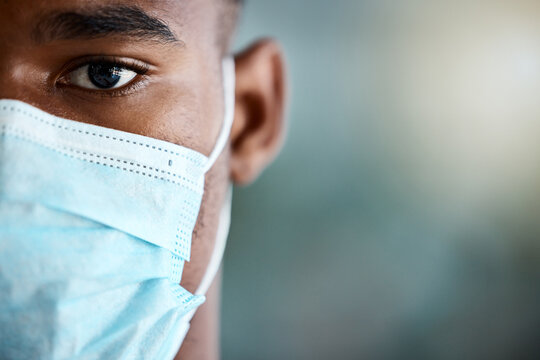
{"x":258,"y":127}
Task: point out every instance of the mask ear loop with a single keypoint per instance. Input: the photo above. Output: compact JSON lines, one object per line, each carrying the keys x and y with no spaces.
{"x":225,"y":213}
{"x":229,"y":78}
{"x":211,"y":270}
{"x":219,"y":246}
{"x":229,"y":83}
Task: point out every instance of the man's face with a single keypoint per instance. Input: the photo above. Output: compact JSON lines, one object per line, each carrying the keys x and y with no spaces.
{"x":152,"y":68}
{"x":171,"y":51}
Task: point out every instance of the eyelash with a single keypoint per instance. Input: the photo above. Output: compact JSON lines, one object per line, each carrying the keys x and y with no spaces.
{"x":140,"y":68}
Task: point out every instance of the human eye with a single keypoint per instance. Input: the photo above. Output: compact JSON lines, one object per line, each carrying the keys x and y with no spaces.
{"x":106,"y":75}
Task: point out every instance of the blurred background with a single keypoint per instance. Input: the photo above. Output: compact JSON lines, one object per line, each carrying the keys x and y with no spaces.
{"x":401,"y":220}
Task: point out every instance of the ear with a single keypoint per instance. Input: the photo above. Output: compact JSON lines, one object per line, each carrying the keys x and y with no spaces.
{"x":258,"y":127}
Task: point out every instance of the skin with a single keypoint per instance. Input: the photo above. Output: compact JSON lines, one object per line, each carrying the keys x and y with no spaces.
{"x":178,"y":100}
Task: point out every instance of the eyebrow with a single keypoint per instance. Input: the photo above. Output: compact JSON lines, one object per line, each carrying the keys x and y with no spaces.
{"x":120,"y":20}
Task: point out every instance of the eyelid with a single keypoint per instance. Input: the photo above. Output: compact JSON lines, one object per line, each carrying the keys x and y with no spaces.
{"x":130,"y":63}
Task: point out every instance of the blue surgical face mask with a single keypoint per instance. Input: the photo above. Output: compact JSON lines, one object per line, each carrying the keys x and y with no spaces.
{"x":95,"y":228}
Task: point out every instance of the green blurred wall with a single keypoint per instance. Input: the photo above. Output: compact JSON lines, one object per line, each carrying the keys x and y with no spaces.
{"x":401,"y":219}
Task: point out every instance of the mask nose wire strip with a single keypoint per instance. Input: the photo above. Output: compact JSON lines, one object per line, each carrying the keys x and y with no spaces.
{"x":229,"y":78}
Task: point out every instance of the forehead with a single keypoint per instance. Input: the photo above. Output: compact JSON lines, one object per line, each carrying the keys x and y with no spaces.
{"x":186,"y":19}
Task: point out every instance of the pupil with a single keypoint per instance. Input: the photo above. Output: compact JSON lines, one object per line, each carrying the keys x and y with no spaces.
{"x":103,"y":75}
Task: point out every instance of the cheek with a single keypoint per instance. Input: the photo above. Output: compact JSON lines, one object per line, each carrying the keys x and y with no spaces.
{"x":171,"y":113}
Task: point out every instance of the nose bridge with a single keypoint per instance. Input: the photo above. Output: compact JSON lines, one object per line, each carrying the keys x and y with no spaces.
{"x":13,"y":47}
{"x":23,"y":75}
{"x":18,"y":79}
